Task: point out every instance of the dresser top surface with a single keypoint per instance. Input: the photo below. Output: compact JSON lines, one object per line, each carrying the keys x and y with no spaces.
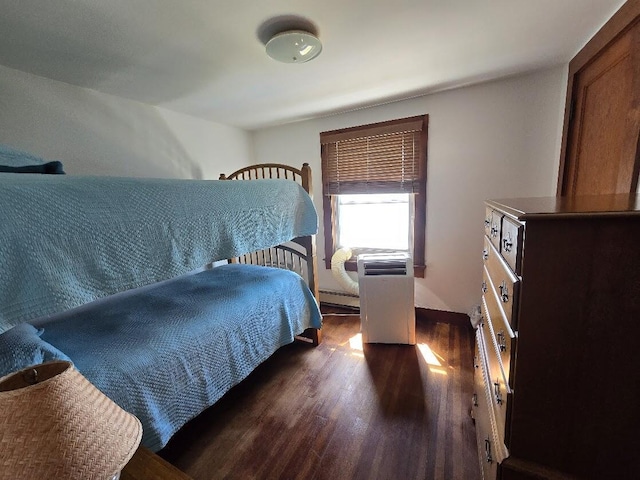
{"x":563,"y":207}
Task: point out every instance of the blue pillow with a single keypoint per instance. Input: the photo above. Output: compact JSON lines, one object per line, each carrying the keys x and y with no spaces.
{"x":17,"y":161}
{"x":21,"y":347}
{"x":53,"y":168}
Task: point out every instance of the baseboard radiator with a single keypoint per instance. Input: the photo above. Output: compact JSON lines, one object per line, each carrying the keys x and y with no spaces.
{"x":341,"y":299}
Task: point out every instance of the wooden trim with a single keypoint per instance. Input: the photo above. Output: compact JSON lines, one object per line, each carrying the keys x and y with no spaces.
{"x":251,"y":172}
{"x":419,"y":266}
{"x":305,"y":173}
{"x":621,"y":21}
{"x":636,"y":168}
{"x":418,"y":271}
{"x":568,"y":108}
{"x":618,"y":24}
{"x":314,"y":335}
{"x":390,"y":126}
{"x":420,"y":208}
{"x":328,"y":216}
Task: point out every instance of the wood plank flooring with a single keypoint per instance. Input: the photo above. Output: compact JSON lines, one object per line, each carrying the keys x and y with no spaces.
{"x":341,"y":411}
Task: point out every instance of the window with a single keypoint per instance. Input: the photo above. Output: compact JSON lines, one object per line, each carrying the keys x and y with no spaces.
{"x":359,"y":218}
{"x":374,"y":188}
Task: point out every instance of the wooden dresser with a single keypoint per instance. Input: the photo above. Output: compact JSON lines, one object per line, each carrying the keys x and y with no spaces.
{"x":557,"y":365}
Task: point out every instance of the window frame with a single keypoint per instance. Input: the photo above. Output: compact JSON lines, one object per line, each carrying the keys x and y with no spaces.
{"x":329,"y":202}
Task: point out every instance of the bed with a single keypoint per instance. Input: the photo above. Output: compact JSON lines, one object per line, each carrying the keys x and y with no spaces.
{"x":108,"y":273}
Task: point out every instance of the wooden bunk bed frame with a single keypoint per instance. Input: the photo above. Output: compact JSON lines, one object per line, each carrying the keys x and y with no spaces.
{"x":299,"y":255}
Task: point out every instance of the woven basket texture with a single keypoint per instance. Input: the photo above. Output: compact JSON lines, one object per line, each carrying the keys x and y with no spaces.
{"x":62,"y":427}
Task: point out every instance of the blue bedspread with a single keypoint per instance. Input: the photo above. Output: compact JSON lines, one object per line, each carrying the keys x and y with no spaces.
{"x":171,"y":350}
{"x":68,"y":240}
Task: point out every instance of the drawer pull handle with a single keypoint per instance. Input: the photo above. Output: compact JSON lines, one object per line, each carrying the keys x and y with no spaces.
{"x":496,"y":390}
{"x":502,"y":341}
{"x":487,"y":222}
{"x":474,"y":399}
{"x":504,"y":292}
{"x":494,"y":231}
{"x":484,"y":287}
{"x":487,"y":450}
{"x":485,"y":254}
{"x":507,"y":244}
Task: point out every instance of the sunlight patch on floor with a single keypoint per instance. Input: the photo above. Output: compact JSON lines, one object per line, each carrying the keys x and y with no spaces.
{"x":432,"y":359}
{"x":428,"y":355}
{"x":355,"y":342}
{"x":439,"y":371}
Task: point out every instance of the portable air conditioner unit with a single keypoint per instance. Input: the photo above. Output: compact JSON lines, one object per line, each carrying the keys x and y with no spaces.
{"x":387,"y":310}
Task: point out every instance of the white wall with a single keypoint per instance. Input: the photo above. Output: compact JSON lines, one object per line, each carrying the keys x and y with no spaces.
{"x":97,"y":134}
{"x":495,"y":140}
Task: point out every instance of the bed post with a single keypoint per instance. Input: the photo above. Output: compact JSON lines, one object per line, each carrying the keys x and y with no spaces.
{"x":305,"y":173}
{"x":309,"y":244}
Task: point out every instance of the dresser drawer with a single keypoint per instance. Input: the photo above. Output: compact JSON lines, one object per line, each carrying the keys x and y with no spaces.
{"x":495,"y":227}
{"x":502,"y":332}
{"x":505,"y":284}
{"x":485,"y":436}
{"x":487,"y":221}
{"x":498,"y":386}
{"x":511,"y":243}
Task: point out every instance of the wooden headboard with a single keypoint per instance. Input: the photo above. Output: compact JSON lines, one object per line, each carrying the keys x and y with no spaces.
{"x":274,"y":170}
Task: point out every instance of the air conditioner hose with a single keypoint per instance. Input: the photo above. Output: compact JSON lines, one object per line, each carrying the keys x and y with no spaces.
{"x":339,"y":272}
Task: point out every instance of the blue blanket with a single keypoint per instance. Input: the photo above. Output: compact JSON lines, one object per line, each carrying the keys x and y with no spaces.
{"x":169,"y":351}
{"x":68,"y":240}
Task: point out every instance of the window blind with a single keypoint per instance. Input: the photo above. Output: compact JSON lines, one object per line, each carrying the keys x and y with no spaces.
{"x":378,"y":158}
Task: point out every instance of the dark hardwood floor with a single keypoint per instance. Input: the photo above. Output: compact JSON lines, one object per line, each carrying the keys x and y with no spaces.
{"x":341,"y":411}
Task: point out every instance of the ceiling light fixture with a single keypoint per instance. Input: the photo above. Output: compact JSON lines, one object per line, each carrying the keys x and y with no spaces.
{"x":294,"y":46}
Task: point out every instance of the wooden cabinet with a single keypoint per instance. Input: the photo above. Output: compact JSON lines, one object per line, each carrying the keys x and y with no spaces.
{"x":557,"y":369}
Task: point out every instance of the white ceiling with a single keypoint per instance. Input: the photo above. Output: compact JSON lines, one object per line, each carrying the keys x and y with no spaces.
{"x":205,"y":58}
